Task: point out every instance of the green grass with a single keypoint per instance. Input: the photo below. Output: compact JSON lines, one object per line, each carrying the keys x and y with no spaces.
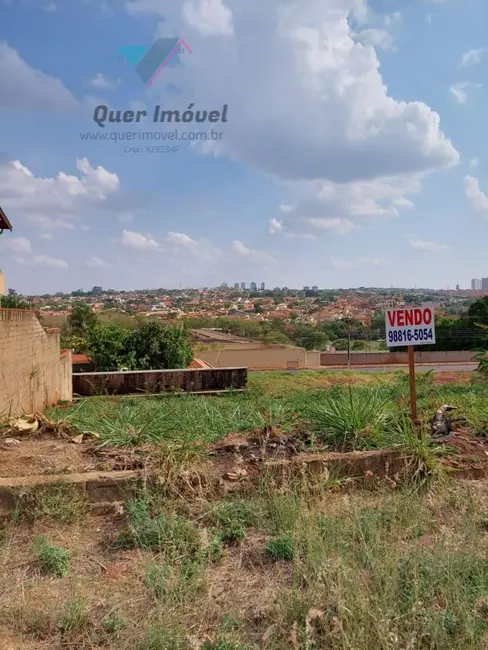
{"x":281,"y":548}
{"x":51,"y":558}
{"x":353,"y":570}
{"x":357,"y":416}
{"x":174,"y":535}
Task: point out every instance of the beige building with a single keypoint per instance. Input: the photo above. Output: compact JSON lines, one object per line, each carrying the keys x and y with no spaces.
{"x":2,"y":283}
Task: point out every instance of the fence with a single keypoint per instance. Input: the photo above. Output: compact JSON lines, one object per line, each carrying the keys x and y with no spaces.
{"x":392,"y":358}
{"x":159,"y":381}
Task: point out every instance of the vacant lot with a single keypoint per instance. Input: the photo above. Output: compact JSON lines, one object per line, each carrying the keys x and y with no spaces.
{"x":370,"y":404}
{"x":314,"y":567}
{"x":285,"y":571}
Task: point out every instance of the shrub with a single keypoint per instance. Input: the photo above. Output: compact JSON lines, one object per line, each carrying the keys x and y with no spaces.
{"x":281,"y":548}
{"x":51,"y":558}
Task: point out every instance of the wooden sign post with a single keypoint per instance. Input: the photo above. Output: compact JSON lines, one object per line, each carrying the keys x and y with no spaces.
{"x":408,"y":327}
{"x":413,"y":390}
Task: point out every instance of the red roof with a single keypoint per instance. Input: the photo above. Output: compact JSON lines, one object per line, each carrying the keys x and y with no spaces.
{"x":198,"y":363}
{"x":80,"y":359}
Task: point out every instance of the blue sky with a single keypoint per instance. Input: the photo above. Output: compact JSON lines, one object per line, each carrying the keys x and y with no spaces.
{"x":354,"y":152}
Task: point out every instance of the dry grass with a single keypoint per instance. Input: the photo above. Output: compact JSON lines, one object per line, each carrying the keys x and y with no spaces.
{"x":332,"y":570}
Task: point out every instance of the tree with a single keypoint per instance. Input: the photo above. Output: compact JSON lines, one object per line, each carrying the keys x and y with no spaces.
{"x":13,"y":301}
{"x":81,"y":319}
{"x":478,"y":311}
{"x":107,"y":347}
{"x":258,"y":308}
{"x":156,"y":345}
{"x":312,"y":339}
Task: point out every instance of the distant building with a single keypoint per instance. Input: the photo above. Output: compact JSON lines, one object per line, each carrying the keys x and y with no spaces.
{"x":484,"y":284}
{"x":243,"y":285}
{"x":475,"y":284}
{"x":306,"y":288}
{"x":457,"y":287}
{"x":236,"y":285}
{"x":254,"y":286}
{"x":315,"y":288}
{"x":263,"y":286}
{"x":97,"y":290}
{"x":2,"y":283}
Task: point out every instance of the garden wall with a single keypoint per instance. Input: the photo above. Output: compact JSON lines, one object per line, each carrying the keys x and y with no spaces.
{"x":159,"y":381}
{"x":387,"y":358}
{"x":279,"y":357}
{"x":34,"y":373}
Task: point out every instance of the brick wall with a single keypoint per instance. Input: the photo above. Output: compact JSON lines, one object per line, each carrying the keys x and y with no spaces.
{"x":33,"y":371}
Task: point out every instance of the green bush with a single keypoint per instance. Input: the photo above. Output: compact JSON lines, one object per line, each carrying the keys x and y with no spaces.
{"x":51,"y":558}
{"x":281,"y":548}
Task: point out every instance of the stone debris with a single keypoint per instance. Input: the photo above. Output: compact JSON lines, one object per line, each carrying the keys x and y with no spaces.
{"x":10,"y":442}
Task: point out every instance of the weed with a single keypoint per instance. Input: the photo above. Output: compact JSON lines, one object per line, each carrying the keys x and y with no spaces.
{"x":51,"y":558}
{"x":232,"y":533}
{"x":233,"y":518}
{"x":114,"y":623}
{"x":172,"y":534}
{"x":221,"y":645}
{"x":60,"y":503}
{"x":281,"y":548}
{"x":353,"y":420}
{"x":158,"y":580}
{"x":163,"y":638}
{"x":75,"y":617}
{"x":425,"y":464}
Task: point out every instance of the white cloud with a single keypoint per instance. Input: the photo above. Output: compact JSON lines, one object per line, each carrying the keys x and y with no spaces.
{"x":138,"y":241}
{"x":393,"y":19}
{"x":251,"y":255}
{"x":49,"y":7}
{"x":460,"y":90}
{"x":332,"y":207}
{"x":275,"y":226}
{"x":312,"y":99}
{"x":59,"y":201}
{"x":474,"y":162}
{"x":19,"y":245}
{"x":428,"y":246}
{"x":24,"y":88}
{"x":172,"y":243}
{"x":95,"y":262}
{"x":43,"y":260}
{"x":101,"y":83}
{"x":476,"y":197}
{"x":209,"y":17}
{"x":46,"y":235}
{"x":346,"y":264}
{"x":378,"y":38}
{"x":53,"y":262}
{"x":472,"y":57}
{"x":180,"y":239}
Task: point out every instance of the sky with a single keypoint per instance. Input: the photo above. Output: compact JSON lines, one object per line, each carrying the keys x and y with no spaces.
{"x":353,"y":151}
